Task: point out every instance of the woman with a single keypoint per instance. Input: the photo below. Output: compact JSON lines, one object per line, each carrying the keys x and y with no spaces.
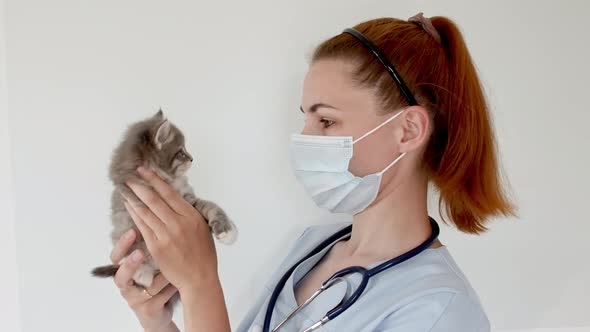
{"x":406,"y":95}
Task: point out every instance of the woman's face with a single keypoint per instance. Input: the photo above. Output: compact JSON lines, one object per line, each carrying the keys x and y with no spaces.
{"x":334,"y":106}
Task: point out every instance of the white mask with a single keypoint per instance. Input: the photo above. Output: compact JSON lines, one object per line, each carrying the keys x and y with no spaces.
{"x":320,"y":163}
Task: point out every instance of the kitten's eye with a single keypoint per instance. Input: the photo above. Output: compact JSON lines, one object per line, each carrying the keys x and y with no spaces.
{"x":327,"y":122}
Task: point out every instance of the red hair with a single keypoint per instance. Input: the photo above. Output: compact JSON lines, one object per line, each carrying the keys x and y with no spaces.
{"x":460,"y":157}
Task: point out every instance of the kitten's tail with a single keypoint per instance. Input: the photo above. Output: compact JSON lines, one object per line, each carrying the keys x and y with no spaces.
{"x":105,"y":271}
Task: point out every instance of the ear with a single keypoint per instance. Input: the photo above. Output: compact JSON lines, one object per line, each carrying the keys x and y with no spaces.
{"x":416,"y":128}
{"x":163,"y":134}
{"x":160,"y":115}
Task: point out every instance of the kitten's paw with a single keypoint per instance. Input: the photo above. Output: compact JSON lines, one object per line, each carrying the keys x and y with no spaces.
{"x":228,"y":236}
{"x":144,"y":275}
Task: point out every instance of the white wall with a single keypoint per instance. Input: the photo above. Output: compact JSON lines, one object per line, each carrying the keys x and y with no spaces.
{"x":229,"y":73}
{"x":9,"y":305}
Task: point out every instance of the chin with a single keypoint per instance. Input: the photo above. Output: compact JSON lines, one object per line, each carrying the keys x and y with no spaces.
{"x":182,"y":169}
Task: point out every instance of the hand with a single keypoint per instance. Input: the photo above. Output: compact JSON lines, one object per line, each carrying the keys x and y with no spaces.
{"x":150,"y":311}
{"x":175,"y":233}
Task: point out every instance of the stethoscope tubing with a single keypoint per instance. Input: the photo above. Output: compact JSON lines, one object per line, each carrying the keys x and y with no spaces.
{"x":339,"y":275}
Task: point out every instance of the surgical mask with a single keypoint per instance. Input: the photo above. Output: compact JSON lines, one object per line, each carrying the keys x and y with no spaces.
{"x":320,"y":163}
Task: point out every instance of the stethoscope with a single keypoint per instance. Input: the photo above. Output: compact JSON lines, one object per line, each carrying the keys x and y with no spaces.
{"x":339,"y":277}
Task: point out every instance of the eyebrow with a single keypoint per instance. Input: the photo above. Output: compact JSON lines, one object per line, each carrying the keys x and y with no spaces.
{"x":315,"y":107}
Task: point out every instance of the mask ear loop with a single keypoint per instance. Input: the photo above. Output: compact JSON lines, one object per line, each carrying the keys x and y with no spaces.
{"x":392,"y":163}
{"x":373,"y":130}
{"x":379,"y":126}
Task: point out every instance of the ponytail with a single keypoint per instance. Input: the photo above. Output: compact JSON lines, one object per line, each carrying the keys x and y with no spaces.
{"x":467,"y":176}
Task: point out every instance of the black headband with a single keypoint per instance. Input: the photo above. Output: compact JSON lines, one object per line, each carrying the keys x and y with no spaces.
{"x":383,"y":59}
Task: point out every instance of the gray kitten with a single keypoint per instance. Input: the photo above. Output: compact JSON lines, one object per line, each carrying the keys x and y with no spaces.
{"x":158,"y":145}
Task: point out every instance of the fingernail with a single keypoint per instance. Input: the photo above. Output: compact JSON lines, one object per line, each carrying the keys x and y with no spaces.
{"x":129,"y":233}
{"x":141,"y":170}
{"x":136,"y":256}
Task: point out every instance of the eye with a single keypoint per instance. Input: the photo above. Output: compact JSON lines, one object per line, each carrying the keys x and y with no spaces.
{"x":327,"y":122}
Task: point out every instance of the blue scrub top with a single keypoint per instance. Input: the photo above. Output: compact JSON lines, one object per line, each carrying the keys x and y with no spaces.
{"x":426,"y":293}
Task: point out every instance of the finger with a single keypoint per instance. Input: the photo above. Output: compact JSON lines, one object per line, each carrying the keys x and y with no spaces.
{"x":158,"y":284}
{"x":123,"y":277}
{"x":146,"y":231}
{"x":122,"y":246}
{"x":134,"y":296}
{"x":153,"y":201}
{"x":161,"y":298}
{"x":170,"y":196}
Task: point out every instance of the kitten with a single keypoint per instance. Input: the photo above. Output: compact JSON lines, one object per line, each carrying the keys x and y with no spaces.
{"x":158,"y":145}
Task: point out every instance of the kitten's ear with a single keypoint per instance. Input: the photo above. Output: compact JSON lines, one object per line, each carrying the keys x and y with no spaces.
{"x":160,"y":115}
{"x":163,"y":134}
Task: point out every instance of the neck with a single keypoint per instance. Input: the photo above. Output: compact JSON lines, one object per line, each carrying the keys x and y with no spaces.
{"x":393,"y":224}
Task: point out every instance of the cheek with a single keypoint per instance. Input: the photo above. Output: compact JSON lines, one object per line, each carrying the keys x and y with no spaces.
{"x":365,"y":160}
{"x":371,"y":155}
{"x":175,"y":163}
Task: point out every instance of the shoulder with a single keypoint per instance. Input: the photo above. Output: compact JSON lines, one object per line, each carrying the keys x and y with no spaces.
{"x":438,"y":312}
{"x":438,"y":297}
{"x":462,"y":312}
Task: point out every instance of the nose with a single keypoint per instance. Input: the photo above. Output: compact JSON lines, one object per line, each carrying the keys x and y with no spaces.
{"x":188,"y":156}
{"x":310,"y":129}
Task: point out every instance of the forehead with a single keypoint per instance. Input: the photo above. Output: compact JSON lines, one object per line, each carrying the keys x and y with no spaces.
{"x":331,"y":82}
